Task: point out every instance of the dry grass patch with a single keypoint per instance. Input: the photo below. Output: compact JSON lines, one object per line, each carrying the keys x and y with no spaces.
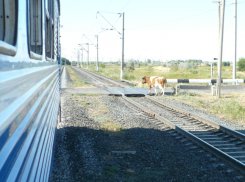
{"x":77,"y":83}
{"x":111,"y":129}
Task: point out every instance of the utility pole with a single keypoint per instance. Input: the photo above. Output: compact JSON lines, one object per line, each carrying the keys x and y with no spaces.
{"x":199,"y":67}
{"x":88,"y":57}
{"x":122,"y":64}
{"x":218,"y":85}
{"x":97,"y":63}
{"x":78,"y":63}
{"x":234,"y":61}
{"x":219,"y":20}
{"x":218,"y":27}
{"x":82,"y":58}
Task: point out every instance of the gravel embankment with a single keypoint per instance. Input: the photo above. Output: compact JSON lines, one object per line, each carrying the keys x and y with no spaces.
{"x":93,"y":127}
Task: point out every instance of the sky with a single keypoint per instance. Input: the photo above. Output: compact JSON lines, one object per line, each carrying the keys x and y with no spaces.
{"x":157,"y":29}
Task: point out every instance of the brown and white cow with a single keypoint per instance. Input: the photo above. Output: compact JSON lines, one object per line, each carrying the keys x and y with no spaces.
{"x":155,"y":81}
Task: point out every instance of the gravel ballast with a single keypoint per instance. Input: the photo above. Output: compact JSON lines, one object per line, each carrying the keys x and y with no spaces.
{"x":227,"y":123}
{"x":102,"y":138}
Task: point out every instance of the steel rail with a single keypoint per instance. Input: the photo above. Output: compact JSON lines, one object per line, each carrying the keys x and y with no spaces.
{"x":105,"y":78}
{"x":211,"y":123}
{"x":205,"y":145}
{"x":95,"y":79}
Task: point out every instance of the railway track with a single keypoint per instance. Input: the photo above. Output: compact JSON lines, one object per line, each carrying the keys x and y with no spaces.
{"x":219,"y":140}
{"x":101,"y":80}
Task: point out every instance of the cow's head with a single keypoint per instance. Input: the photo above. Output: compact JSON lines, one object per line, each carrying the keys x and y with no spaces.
{"x":144,"y":80}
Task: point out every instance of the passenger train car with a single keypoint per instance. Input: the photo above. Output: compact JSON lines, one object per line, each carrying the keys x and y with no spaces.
{"x":29,"y":87}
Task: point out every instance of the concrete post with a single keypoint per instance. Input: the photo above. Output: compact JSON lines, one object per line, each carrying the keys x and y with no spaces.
{"x":122,"y":63}
{"x":234,"y":61}
{"x":218,"y":87}
{"x":212,"y":70}
{"x":97,"y":63}
{"x":88,"y":58}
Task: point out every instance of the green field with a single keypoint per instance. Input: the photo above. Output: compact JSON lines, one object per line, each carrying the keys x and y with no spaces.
{"x":113,"y":71}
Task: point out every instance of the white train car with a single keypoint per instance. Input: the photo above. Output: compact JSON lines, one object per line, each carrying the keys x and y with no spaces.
{"x":29,"y":87}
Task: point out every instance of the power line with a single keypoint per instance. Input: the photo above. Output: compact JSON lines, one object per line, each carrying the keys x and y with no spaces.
{"x":98,"y":21}
{"x":122,"y":9}
{"x":88,"y":39}
{"x":180,"y":18}
{"x":108,"y":5}
{"x":108,"y":12}
{"x":91,"y":27}
{"x":171,"y":20}
{"x":116,"y":20}
{"x":109,"y":22}
{"x":125,"y":5}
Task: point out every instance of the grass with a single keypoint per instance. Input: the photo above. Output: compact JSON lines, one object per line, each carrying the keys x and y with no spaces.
{"x":110,"y":170}
{"x":77,"y":83}
{"x":90,"y":95}
{"x":113,"y":71}
{"x":111,"y":129}
{"x":85,"y":104}
{"x":229,"y":106}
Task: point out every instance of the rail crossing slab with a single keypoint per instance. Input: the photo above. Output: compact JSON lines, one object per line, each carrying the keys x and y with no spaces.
{"x":128,"y":91}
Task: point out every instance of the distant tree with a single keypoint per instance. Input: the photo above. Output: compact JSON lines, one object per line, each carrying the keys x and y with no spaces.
{"x":215,"y":63}
{"x":63,"y":60}
{"x":148,"y":61}
{"x":226,"y":63}
{"x":241,"y":64}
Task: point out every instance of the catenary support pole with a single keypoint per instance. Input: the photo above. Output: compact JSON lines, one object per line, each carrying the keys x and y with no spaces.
{"x":218,"y":87}
{"x":78,"y":63}
{"x":234,"y":61}
{"x":97,"y":63}
{"x":212,"y":70}
{"x":82,"y":58}
{"x":88,"y":57}
{"x":199,"y":67}
{"x":122,"y":63}
{"x":219,"y":20}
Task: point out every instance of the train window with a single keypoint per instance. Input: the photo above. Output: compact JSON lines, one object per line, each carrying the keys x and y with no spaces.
{"x":35,"y":29}
{"x":8,"y":26}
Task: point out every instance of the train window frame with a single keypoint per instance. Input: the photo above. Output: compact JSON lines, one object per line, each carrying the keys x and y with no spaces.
{"x":9,"y":15}
{"x":35,"y":29}
{"x":48,"y":29}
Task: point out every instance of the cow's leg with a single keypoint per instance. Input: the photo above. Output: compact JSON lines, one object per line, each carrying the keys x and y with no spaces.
{"x":163,"y":90}
{"x":149,"y":90}
{"x":156,"y":90}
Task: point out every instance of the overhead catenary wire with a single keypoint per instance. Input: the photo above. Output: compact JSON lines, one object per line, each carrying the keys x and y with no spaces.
{"x":122,"y":9}
{"x":99,"y":21}
{"x":125,"y":5}
{"x":109,"y":22}
{"x":156,"y":24}
{"x":108,"y":5}
{"x":91,"y":27}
